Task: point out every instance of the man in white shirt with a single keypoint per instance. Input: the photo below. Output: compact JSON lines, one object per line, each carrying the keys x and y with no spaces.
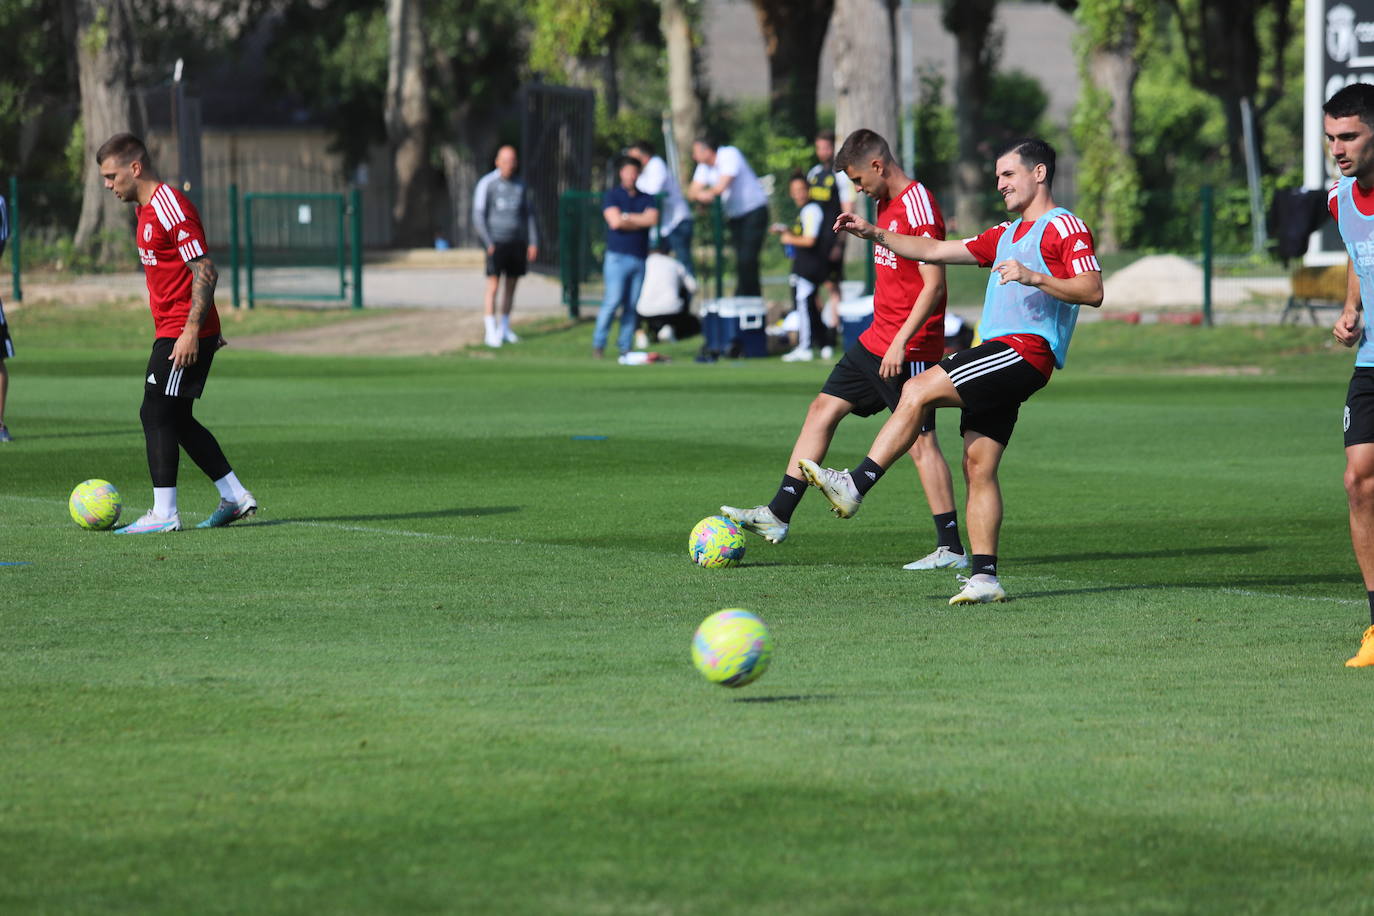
{"x":665,"y":296}
{"x":657,"y":178}
{"x":722,"y":172}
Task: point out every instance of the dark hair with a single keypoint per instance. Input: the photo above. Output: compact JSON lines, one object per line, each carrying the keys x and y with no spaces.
{"x":707,"y":142}
{"x":826,"y":134}
{"x":1033,"y":151}
{"x":125,"y":148}
{"x":1354,"y":101}
{"x":862,"y":147}
{"x":622,"y":161}
{"x":646,"y":145}
{"x":798,"y":175}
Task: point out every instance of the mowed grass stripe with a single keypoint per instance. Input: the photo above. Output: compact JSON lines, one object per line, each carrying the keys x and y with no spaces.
{"x":481,"y":702}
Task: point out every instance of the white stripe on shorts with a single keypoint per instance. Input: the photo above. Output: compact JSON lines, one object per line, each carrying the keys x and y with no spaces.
{"x":983,"y":366}
{"x":173,"y":387}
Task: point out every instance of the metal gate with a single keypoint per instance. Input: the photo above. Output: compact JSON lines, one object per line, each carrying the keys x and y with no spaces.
{"x":556,"y":128}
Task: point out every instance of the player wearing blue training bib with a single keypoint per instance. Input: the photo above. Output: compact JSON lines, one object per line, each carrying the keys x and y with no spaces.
{"x":1043,"y":268}
{"x":1349,"y":126}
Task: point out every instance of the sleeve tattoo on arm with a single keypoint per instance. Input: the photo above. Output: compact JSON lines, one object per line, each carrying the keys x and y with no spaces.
{"x":203,"y":280}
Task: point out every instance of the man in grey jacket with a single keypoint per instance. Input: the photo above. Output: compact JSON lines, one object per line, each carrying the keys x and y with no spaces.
{"x":503,"y":214}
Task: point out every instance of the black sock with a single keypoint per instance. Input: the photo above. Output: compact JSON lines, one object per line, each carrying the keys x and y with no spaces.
{"x":790,"y":492}
{"x":1371,"y":609}
{"x":983,"y":564}
{"x":866,"y":475}
{"x":947,"y":531}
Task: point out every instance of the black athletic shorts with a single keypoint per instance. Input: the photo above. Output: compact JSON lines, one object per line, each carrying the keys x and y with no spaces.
{"x":1359,"y":407}
{"x":855,"y":379}
{"x":835,"y":273}
{"x":993,"y":381}
{"x":509,"y":259}
{"x":188,"y":382}
{"x":6,"y":344}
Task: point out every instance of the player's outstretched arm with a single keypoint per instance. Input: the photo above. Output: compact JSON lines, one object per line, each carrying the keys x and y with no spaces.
{"x":911,"y":247}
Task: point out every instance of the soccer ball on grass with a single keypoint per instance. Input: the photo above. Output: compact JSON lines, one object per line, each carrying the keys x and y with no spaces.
{"x":715,"y":542}
{"x":732,"y":648}
{"x":95,"y":504}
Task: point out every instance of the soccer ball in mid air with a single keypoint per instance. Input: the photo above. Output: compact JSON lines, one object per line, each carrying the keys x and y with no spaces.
{"x":732,"y":648}
{"x":95,"y":504}
{"x":715,"y":542}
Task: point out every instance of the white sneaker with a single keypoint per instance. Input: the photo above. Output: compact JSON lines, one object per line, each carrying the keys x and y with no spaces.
{"x":837,"y":486}
{"x":759,"y":520}
{"x":979,"y":589}
{"x":666,"y":334}
{"x":941,"y":558}
{"x":799,"y":355}
{"x":493,"y":339}
{"x":508,"y":336}
{"x":149,"y":523}
{"x":827,"y":352}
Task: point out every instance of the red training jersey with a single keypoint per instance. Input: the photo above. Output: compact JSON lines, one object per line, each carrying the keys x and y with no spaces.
{"x":1364,"y":200}
{"x":1068,"y":249}
{"x":898,"y":281}
{"x":169,"y":234}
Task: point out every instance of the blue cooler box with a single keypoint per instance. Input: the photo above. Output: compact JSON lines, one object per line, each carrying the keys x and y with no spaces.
{"x":735,"y":323}
{"x":855,"y":317}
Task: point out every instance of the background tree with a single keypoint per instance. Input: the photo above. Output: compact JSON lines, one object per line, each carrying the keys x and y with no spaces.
{"x":1115,"y":35}
{"x":976,"y":52}
{"x":865,"y":67}
{"x":407,"y":123}
{"x":793,"y":33}
{"x":105,"y":55}
{"x":1225,"y":48}
{"x":684,"y":102}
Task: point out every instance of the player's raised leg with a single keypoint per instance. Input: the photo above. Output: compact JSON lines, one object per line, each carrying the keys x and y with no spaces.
{"x":771,"y":521}
{"x":1359,"y":490}
{"x":982,"y":458}
{"x":845,"y":490}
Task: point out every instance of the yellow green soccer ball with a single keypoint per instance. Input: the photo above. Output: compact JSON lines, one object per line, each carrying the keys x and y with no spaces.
{"x":715,"y":542}
{"x":732,"y":648}
{"x":95,"y":504}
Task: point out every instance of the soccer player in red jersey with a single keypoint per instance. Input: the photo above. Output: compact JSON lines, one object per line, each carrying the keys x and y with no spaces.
{"x":906,"y":336}
{"x":181,"y":293}
{"x":1043,"y":268}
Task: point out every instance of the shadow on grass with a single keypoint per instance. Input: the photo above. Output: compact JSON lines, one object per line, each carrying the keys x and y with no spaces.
{"x":395,"y":516}
{"x":794,"y":698}
{"x":1175,"y":553}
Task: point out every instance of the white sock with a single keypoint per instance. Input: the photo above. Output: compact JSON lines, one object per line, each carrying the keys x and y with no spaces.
{"x":230,"y":488}
{"x":505,"y":324}
{"x":164,"y":501}
{"x":490,"y":321}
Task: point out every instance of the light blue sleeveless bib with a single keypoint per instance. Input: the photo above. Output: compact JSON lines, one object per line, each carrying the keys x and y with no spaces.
{"x":1357,"y":231}
{"x":1014,"y":308}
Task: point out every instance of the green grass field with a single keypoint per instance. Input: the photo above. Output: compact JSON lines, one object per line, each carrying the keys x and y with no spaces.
{"x":446,"y":669}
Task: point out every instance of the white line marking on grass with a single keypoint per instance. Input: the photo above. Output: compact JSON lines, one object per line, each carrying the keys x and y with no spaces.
{"x":367,"y":529}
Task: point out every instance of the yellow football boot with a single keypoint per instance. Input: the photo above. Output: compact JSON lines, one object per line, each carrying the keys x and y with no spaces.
{"x":1365,"y":657}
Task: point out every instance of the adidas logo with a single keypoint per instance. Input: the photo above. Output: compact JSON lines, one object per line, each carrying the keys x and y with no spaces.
{"x":183,"y":236}
{"x":151,"y":380}
{"x":870,"y":475}
{"x":1080,"y":245}
{"x":951,"y":525}
{"x":790,"y":489}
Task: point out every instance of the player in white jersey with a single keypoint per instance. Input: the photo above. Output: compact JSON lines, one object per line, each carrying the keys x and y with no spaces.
{"x":1349,"y":126}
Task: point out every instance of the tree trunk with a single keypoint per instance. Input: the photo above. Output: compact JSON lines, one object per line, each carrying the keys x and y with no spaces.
{"x":105,"y":55}
{"x":971,"y":23}
{"x":407,"y":123}
{"x":683,"y":101}
{"x":1114,"y":70}
{"x":866,"y":68}
{"x":793,"y":33}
